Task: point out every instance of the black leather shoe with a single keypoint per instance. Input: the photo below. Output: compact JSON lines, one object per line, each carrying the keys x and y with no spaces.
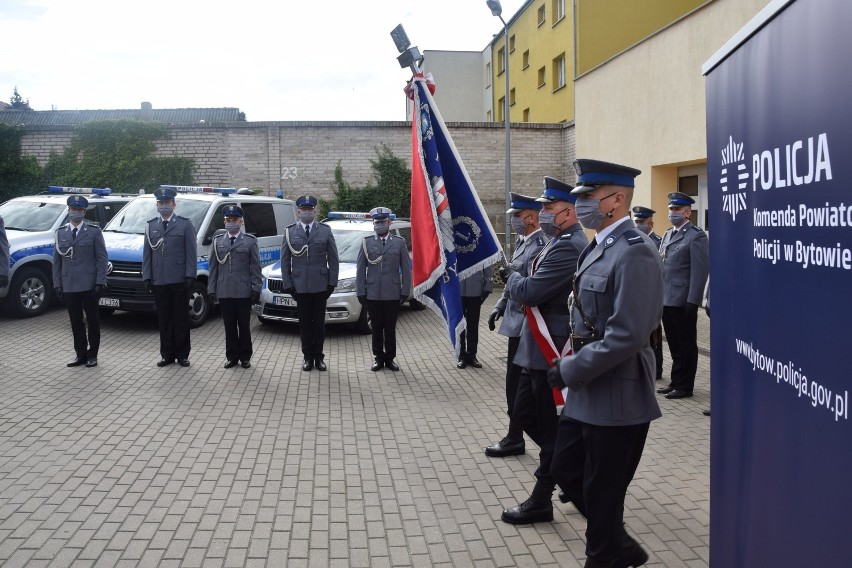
{"x":392,"y":365}
{"x":705,"y":412}
{"x":506,"y":447}
{"x":307,"y":365}
{"x":679,"y":394}
{"x":632,"y":554}
{"x":92,"y":362}
{"x":377,"y":366}
{"x":76,"y":362}
{"x":462,"y":363}
{"x":528,"y":512}
{"x":320,"y":365}
{"x":230,"y":363}
{"x":183,"y":362}
{"x":164,"y":362}
{"x":474,"y":362}
{"x":563,"y":497}
{"x":665,"y":390}
{"x":245,"y":364}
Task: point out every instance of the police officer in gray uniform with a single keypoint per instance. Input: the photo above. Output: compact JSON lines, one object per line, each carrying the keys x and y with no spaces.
{"x":235,"y":282}
{"x":685,"y":268}
{"x":169,"y":256}
{"x":475,"y":289}
{"x":547,"y":288}
{"x":383,"y":282}
{"x":524,"y":211}
{"x":610,"y":402}
{"x":4,"y":256}
{"x":643,"y":217}
{"x":309,"y":268}
{"x":79,"y":278}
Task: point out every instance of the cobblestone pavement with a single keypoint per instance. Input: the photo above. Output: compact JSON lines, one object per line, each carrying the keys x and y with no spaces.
{"x":127,"y":464}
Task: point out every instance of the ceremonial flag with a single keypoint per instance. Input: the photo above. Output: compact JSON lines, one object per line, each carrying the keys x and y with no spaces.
{"x":451,"y":235}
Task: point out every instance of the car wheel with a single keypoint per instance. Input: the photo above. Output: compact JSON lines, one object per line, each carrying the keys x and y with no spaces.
{"x":363,"y":326}
{"x":29,"y":293}
{"x":199,"y":305}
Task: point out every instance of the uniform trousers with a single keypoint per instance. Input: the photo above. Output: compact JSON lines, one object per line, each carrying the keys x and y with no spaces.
{"x":173,"y":315}
{"x":469,"y":339}
{"x":513,"y":377}
{"x":236,"y":316}
{"x":77,"y":304}
{"x":310,"y":309}
{"x":535,"y":413}
{"x":658,"y":351}
{"x":682,"y":335}
{"x":594,"y":465}
{"x":383,"y":316}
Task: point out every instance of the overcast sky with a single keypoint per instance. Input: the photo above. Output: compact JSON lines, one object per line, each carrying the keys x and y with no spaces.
{"x":307,"y":60}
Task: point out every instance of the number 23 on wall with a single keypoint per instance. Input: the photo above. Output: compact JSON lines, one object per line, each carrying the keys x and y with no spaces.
{"x":289,"y":173}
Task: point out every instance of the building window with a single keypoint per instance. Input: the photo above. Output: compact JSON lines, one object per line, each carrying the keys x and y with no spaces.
{"x":689,"y":186}
{"x":526,"y":58}
{"x":541,"y":77}
{"x":558,"y":8}
{"x":526,"y":115}
{"x":501,"y":107}
{"x":559,"y":72}
{"x":488,"y":74}
{"x":541,"y":15}
{"x":511,"y":43}
{"x":501,"y":61}
{"x":512,"y":96}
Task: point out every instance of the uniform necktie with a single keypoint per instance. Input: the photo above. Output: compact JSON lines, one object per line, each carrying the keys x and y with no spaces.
{"x":74,"y":233}
{"x":307,"y":230}
{"x":232,"y":240}
{"x":165,"y":225}
{"x":383,"y":241}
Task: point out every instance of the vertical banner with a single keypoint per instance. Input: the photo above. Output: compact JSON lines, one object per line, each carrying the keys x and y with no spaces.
{"x":779,"y":140}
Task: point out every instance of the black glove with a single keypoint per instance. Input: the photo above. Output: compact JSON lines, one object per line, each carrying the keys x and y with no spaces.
{"x":492,"y":319}
{"x":213,"y":298}
{"x":255,"y":297}
{"x":99,"y":290}
{"x":190,"y":281}
{"x":362,"y":300}
{"x":505,"y":271}
{"x":4,"y":281}
{"x":329,"y":292}
{"x":59,"y":294}
{"x":554,"y":377}
{"x":149,"y":286}
{"x":691,"y":309}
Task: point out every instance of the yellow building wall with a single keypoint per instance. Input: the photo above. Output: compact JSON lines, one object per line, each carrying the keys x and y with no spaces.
{"x":545,"y":42}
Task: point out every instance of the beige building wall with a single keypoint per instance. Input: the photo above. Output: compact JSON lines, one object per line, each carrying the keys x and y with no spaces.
{"x":459,"y":82}
{"x":646,"y":107}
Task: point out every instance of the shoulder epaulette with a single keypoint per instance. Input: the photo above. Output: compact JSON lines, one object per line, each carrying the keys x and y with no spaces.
{"x":697,"y":228}
{"x":250,"y":235}
{"x":184,"y":218}
{"x":633,"y":237}
{"x":62,"y":227}
{"x":540,"y":240}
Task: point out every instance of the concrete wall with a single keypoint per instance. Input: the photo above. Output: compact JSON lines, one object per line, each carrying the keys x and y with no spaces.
{"x":459,"y":81}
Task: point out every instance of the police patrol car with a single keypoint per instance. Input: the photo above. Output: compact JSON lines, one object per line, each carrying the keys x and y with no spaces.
{"x":264,"y":217}
{"x":31,"y":223}
{"x":349,"y":230}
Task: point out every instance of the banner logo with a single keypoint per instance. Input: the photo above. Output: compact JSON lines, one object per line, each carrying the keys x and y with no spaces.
{"x":734,"y":177}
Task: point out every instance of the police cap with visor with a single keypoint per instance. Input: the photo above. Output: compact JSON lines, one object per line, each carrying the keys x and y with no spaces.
{"x":520,"y":202}
{"x":556,"y":190}
{"x":592,"y":174}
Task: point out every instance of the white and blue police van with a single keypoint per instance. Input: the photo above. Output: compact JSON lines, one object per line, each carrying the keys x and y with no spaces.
{"x":31,"y":224}
{"x":264,"y":217}
{"x":349,"y":229}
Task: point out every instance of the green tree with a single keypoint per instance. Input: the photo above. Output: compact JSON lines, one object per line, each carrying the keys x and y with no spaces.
{"x":117,"y":154}
{"x":18,"y":102}
{"x":391,"y":188}
{"x":19,"y":175}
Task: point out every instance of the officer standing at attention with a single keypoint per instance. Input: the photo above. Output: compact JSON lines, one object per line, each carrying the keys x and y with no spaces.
{"x":544,"y":293}
{"x":383,"y":283}
{"x":475,"y":289}
{"x":4,"y":256}
{"x":79,"y":278}
{"x":235,"y":283}
{"x":610,"y":402}
{"x":524,"y":211}
{"x":169,"y":256}
{"x":309,"y":267}
{"x":643,"y":218}
{"x":685,"y":268}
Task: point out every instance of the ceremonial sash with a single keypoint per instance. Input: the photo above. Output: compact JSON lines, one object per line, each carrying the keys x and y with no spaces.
{"x":545,"y":343}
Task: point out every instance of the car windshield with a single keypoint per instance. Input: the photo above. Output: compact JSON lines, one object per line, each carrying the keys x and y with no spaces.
{"x":349,"y":243}
{"x":30,"y":215}
{"x":133,"y":217}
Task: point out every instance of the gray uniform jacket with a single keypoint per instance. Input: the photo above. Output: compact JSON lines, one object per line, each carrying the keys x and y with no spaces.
{"x":513,"y":316}
{"x":657,"y":239}
{"x":477,"y":284}
{"x":80,"y":263}
{"x":384,"y":273}
{"x":548,"y":287}
{"x":312,"y":264}
{"x":4,"y":250}
{"x":170,"y":256}
{"x":685,"y":265}
{"x":234,"y":269}
{"x":620,"y":284}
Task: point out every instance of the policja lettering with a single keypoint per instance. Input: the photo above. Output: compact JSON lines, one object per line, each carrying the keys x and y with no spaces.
{"x":769,"y":169}
{"x":768,"y":250}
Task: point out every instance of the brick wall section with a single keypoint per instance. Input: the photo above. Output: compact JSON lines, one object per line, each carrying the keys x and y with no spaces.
{"x":256,"y":154}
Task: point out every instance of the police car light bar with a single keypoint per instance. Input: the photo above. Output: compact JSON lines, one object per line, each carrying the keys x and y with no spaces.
{"x":93,"y":190}
{"x":353,"y":215}
{"x":199,"y":189}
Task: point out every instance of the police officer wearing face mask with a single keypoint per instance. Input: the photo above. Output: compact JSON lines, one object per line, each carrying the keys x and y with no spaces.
{"x":169,"y":257}
{"x":4,"y":256}
{"x":235,"y":282}
{"x":530,"y":240}
{"x":309,"y":268}
{"x":610,"y":400}
{"x":383,"y":282}
{"x":643,"y":218}
{"x":544,"y":294}
{"x":685,"y":268}
{"x":79,"y":278}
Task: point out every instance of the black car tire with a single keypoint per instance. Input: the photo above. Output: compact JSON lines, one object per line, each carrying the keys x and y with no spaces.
{"x":36,"y":288}
{"x":363,"y":326}
{"x":199,"y":305}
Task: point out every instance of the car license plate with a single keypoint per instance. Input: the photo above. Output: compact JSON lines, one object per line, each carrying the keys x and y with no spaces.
{"x":108,"y":302}
{"x":283,"y":301}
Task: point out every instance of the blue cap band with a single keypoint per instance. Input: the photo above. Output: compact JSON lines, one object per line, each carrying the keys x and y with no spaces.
{"x":559,"y":194}
{"x":605,"y":178}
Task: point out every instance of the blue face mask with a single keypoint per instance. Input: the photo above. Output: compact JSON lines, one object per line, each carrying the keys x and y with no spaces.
{"x":545,"y":221}
{"x":165,"y":211}
{"x":589,"y":213}
{"x":76,"y":216}
{"x":307,"y":216}
{"x":676,"y":219}
{"x":519,"y":226}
